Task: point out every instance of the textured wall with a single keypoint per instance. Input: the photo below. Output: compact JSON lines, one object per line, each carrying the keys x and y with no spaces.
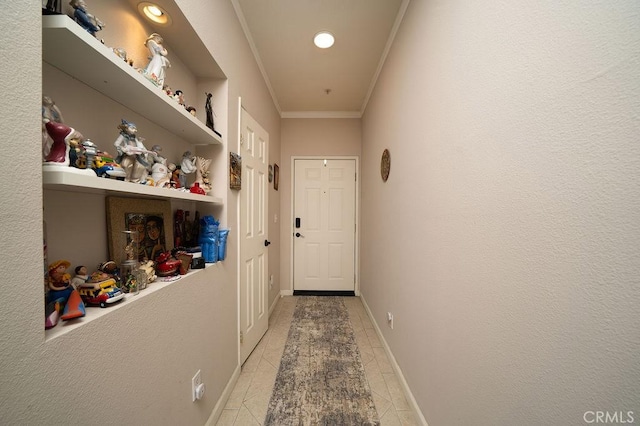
{"x":505,"y":241}
{"x":134,"y":365}
{"x":217,"y":25}
{"x":309,"y":136}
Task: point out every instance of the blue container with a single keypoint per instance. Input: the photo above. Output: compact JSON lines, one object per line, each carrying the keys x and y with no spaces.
{"x":209,"y":239}
{"x":222,"y":243}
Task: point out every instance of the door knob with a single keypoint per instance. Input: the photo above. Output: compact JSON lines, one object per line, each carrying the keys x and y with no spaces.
{"x":266,"y":243}
{"x":299,"y":235}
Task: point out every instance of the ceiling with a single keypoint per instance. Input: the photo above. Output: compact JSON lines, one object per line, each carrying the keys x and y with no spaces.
{"x":306,"y":81}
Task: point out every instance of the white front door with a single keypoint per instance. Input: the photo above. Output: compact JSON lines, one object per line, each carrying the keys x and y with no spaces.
{"x":324,"y":224}
{"x":254,"y":312}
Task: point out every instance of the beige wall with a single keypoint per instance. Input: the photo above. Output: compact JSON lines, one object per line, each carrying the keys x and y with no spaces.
{"x":505,"y":241}
{"x":217,"y":25}
{"x":309,"y":137}
{"x":134,"y":365}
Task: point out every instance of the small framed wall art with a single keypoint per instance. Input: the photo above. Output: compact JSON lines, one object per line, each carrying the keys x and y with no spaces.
{"x":235,"y":171}
{"x":385,"y":165}
{"x":276,"y":176}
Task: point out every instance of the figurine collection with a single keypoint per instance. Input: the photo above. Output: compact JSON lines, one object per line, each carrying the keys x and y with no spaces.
{"x":63,"y":146}
{"x":197,"y":241}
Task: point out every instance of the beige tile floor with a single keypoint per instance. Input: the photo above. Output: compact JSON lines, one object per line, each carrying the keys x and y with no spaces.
{"x":248,"y":402}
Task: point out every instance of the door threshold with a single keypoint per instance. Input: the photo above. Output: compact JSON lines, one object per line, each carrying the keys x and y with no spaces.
{"x":324,"y":293}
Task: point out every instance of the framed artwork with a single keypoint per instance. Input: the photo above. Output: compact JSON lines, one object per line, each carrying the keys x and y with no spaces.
{"x":276,"y":176}
{"x":235,"y":171}
{"x":152,"y":219}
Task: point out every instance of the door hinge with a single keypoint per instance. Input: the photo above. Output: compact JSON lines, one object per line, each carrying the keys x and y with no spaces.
{"x":241,"y":337}
{"x":356,"y":176}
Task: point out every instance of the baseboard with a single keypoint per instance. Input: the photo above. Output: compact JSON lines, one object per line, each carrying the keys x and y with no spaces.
{"x":396,"y":368}
{"x":222,"y":401}
{"x":274,"y":304}
{"x":286,"y":293}
{"x":323,"y":293}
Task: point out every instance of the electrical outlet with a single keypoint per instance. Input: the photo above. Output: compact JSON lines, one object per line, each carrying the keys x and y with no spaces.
{"x":197,"y":387}
{"x":390,"y":320}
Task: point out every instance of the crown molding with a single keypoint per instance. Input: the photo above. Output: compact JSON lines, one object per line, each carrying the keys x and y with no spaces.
{"x":320,"y":114}
{"x":256,"y":55}
{"x":383,"y":58}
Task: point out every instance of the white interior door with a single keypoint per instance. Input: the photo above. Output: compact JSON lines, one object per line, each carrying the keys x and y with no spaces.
{"x":254,"y":313}
{"x":324,"y":224}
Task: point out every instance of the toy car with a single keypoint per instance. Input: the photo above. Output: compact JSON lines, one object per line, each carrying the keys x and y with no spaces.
{"x":107,"y":167}
{"x":100,"y":293}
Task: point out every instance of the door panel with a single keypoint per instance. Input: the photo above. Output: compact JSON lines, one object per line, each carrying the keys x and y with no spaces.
{"x":324,"y":200}
{"x":254,"y":318}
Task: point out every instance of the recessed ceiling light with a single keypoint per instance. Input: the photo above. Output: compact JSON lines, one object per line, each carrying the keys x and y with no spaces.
{"x":324,"y":39}
{"x":154,"y":13}
{"x":154,"y":10}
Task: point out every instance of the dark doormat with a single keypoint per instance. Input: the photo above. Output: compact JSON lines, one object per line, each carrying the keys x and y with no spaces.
{"x":323,"y":293}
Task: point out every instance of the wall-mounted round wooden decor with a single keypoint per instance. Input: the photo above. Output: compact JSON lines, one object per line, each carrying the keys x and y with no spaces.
{"x":385,"y":165}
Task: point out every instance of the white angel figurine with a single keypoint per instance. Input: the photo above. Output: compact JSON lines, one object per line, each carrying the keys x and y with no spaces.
{"x":158,"y":63}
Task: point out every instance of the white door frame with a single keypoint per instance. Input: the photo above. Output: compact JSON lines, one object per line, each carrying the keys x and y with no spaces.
{"x":241,"y":241}
{"x":357,"y":215}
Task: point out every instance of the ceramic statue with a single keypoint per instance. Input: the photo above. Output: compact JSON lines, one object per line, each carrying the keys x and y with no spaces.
{"x":84,"y":18}
{"x":187,"y":166}
{"x":159,"y":169}
{"x":132,"y":154}
{"x":158,"y":62}
{"x":80,"y":277}
{"x":50,"y":112}
{"x":202,"y":173}
{"x":61,"y":134}
{"x":209,"y":111}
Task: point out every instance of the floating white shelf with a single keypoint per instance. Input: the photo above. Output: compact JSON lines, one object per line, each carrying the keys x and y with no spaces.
{"x":74,"y":51}
{"x":94,"y":312}
{"x":71,"y":179}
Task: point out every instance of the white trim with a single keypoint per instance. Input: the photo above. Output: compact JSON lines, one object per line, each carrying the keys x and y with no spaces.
{"x":238,"y":241}
{"x":385,"y":52}
{"x":256,"y":55}
{"x":396,"y":368}
{"x":321,"y":114}
{"x":222,"y":401}
{"x":273,"y":305}
{"x":356,"y":256}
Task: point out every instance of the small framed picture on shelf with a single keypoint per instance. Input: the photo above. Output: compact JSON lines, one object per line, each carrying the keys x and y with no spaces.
{"x":235,"y":171}
{"x":150,"y":219}
{"x":276,"y":176}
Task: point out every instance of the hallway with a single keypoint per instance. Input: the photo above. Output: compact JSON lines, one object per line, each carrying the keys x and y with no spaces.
{"x":247,"y":405}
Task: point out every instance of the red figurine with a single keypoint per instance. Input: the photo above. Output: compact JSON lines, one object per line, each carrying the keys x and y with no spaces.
{"x":61,"y":134}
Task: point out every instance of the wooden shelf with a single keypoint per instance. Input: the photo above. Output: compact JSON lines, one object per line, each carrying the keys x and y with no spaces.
{"x":74,"y":51}
{"x":75,"y":180}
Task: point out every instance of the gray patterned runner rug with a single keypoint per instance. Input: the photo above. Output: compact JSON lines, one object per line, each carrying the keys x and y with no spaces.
{"x":321,"y":380}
